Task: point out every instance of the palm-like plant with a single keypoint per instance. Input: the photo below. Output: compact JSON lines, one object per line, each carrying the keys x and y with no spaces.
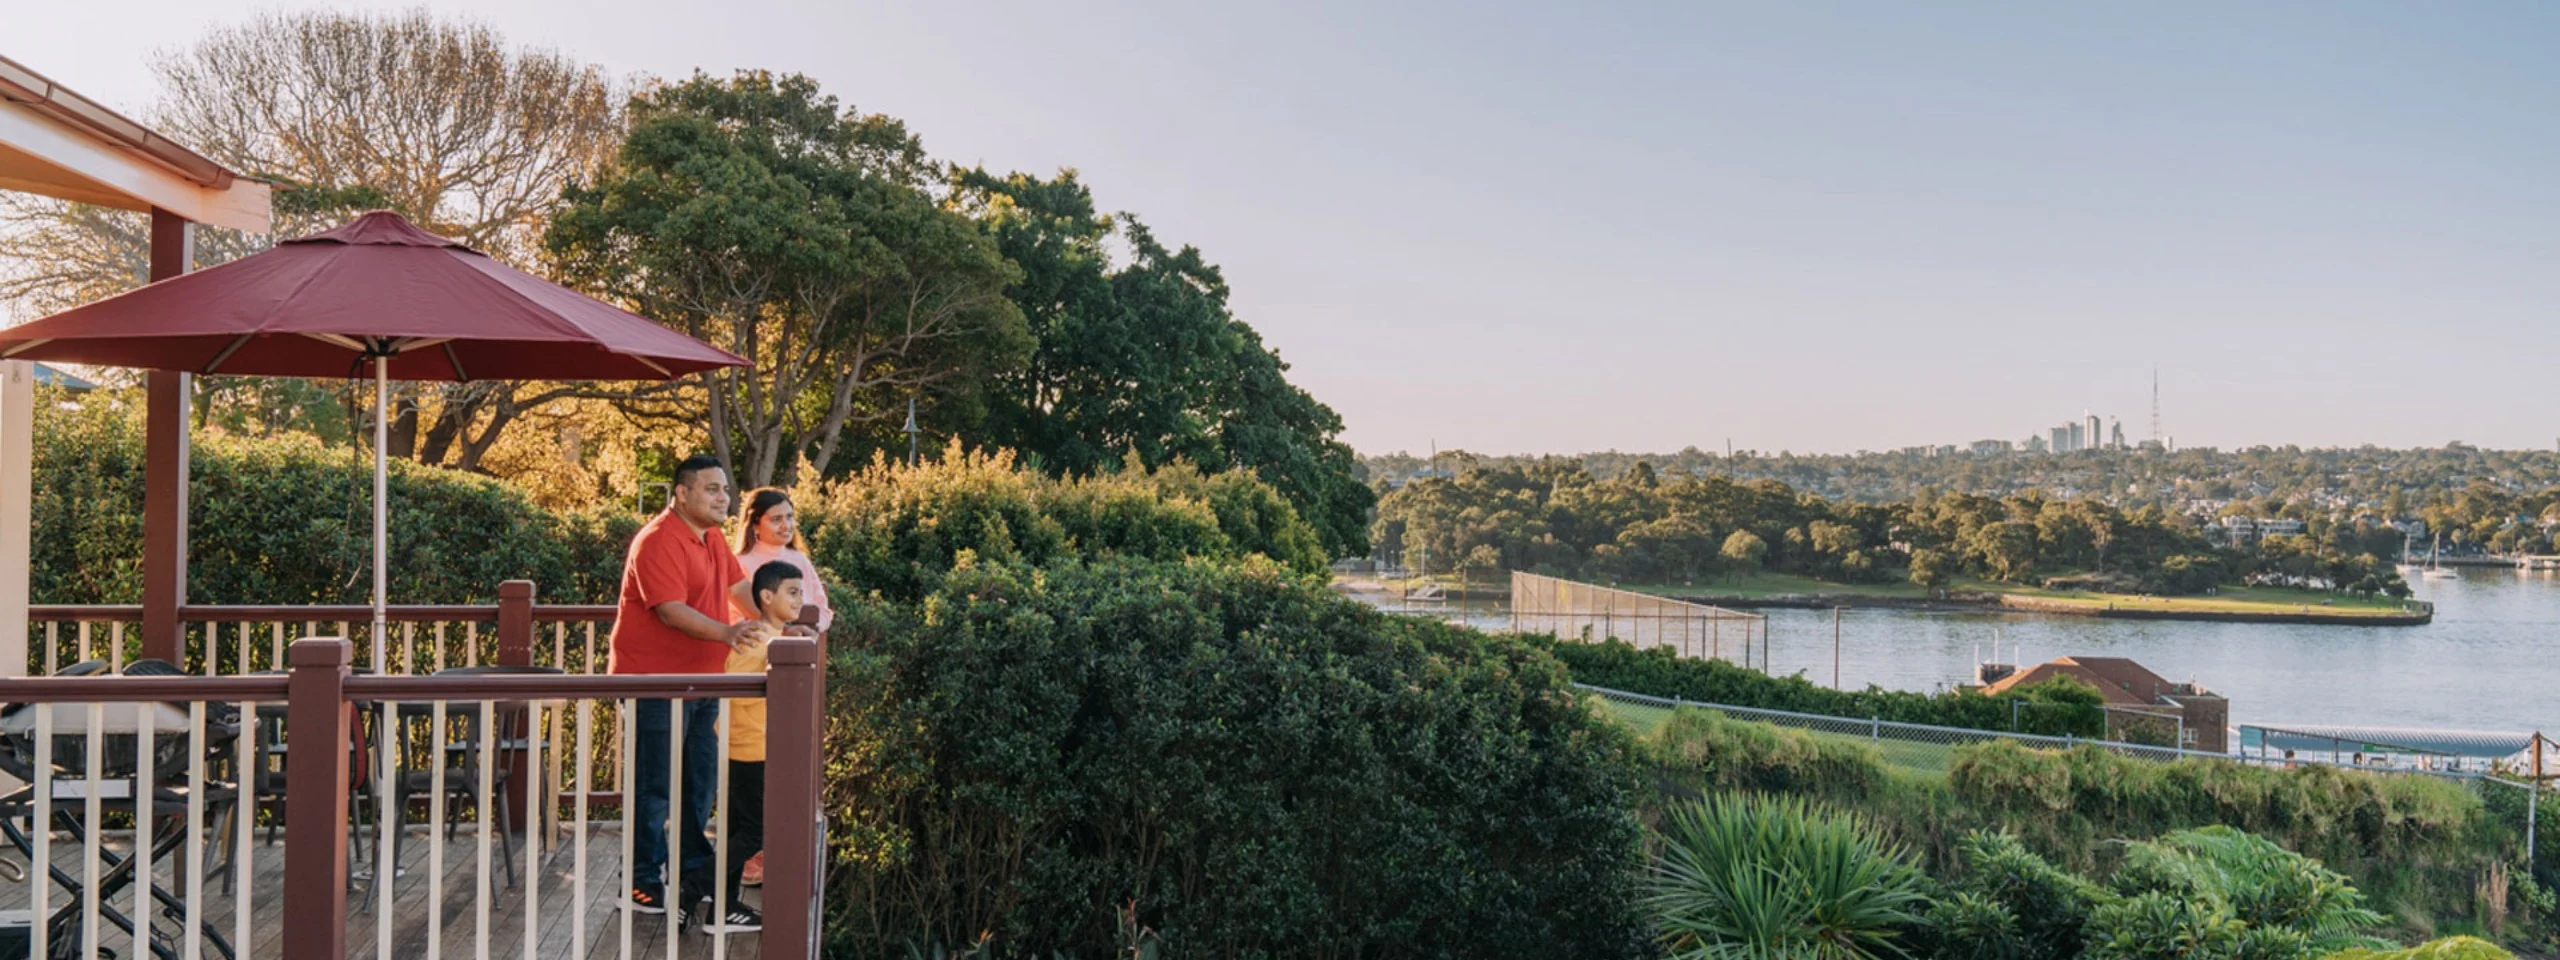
{"x":1753,"y":878}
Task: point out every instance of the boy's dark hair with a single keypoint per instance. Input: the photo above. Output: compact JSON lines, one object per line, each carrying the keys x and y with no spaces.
{"x":695,"y":464}
{"x":770,"y":577}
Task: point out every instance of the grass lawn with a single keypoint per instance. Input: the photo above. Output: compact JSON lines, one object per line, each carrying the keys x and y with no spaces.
{"x":2230,"y":600}
{"x":1914,"y":756}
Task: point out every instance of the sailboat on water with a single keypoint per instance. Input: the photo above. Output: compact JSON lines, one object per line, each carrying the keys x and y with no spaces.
{"x":2435,"y":569}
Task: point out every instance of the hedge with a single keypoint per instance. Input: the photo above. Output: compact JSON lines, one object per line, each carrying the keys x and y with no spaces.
{"x":1224,"y":756}
{"x":2062,"y":707}
{"x":288,"y":521}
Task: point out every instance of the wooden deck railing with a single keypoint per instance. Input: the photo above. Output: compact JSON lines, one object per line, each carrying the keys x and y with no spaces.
{"x":230,"y":640}
{"x":322,"y":695}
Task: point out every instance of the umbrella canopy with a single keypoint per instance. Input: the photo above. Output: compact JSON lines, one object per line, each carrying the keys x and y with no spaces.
{"x":376,"y":297}
{"x":321,"y":305}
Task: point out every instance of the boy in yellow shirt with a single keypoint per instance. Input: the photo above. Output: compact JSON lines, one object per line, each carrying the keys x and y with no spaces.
{"x":778,"y":595}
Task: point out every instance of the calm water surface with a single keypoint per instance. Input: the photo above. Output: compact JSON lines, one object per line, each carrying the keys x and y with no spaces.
{"x":2486,"y":663}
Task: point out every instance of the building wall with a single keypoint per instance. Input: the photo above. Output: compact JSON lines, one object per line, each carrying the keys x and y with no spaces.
{"x":2209,"y":721}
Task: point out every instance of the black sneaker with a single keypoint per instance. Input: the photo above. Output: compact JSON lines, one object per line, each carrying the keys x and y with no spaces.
{"x":647,"y":900}
{"x":739,"y":918}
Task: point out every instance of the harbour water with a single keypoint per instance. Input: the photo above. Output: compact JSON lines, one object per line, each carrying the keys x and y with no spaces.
{"x":2487,"y":662}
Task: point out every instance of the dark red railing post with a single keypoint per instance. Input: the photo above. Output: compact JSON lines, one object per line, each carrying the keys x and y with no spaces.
{"x":319,"y":720}
{"x":164,"y":474}
{"x":515,"y":623}
{"x":795,"y":831}
{"x":515,"y":649}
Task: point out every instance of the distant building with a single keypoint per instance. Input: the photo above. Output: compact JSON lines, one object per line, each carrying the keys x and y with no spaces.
{"x":2135,"y":696}
{"x":2239,"y":529}
{"x":2279,"y":527}
{"x":2095,"y":438}
{"x":2038,"y":445}
{"x":2115,"y":435}
{"x":1985,"y":448}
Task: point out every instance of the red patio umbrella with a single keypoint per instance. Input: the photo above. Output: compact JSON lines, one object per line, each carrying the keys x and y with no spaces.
{"x":377,"y":291}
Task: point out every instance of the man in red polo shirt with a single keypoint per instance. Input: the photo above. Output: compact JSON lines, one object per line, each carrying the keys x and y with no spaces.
{"x":684,"y":605}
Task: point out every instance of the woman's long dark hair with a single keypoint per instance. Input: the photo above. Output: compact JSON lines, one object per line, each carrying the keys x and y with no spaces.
{"x":761,"y":501}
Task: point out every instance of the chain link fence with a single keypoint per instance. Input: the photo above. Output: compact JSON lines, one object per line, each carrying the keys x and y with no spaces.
{"x":1569,"y":608}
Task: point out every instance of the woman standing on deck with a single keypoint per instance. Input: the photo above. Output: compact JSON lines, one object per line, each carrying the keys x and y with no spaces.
{"x":772,"y":533}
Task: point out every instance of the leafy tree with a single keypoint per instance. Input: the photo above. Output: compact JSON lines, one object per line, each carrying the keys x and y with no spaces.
{"x":755,"y":213}
{"x":1144,"y":358}
{"x":1929,"y":568}
{"x":1744,"y":550}
{"x":437,"y":119}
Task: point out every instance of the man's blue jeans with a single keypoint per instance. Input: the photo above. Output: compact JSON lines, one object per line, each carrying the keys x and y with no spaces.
{"x":649,"y":786}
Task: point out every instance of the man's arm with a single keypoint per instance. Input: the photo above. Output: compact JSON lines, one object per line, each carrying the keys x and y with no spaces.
{"x":691,"y":622}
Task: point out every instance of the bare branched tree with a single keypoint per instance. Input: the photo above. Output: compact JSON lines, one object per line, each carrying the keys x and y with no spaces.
{"x":437,"y":119}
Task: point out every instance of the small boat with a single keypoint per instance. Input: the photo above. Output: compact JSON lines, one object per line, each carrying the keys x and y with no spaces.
{"x":2434,"y":570}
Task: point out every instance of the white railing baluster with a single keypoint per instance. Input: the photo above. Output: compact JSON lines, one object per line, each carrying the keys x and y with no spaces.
{"x":245,"y":825}
{"x":488,"y":745}
{"x":440,"y":660}
{"x":52,"y":653}
{"x":720,"y":850}
{"x":435,"y":832}
{"x":115,"y":652}
{"x":194,"y":915}
{"x":674,"y":890}
{"x":97,"y":760}
{"x":386,"y":844}
{"x":84,"y":642}
{"x":578,"y":872}
{"x":533,"y":799}
{"x":40,"y":899}
{"x":471,"y":643}
{"x":409,"y":648}
{"x":622,"y":778}
{"x":140,"y":859}
{"x":275,"y":653}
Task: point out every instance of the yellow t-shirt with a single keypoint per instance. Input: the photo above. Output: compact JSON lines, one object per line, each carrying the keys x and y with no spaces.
{"x":746,"y":717}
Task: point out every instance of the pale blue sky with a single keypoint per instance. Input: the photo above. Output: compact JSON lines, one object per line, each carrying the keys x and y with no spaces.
{"x":1814,"y":226}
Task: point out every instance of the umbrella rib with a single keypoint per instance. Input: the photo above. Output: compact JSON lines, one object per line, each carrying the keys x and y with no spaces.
{"x":456,"y":360}
{"x":236,"y":343}
{"x":24,"y":347}
{"x":338,"y":340}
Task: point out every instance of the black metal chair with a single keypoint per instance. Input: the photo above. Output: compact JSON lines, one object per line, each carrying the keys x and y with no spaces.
{"x":457,"y":749}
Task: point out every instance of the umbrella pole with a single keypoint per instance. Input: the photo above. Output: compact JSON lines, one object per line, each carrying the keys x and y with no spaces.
{"x":381,"y":505}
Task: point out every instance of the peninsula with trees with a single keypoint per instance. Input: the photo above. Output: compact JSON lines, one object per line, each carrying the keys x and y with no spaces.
{"x":1764,"y":543}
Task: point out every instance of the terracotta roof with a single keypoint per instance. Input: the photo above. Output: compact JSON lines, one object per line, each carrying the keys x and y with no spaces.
{"x":2119,"y":680}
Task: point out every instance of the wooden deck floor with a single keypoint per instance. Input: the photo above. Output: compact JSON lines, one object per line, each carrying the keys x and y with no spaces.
{"x":456,"y":936}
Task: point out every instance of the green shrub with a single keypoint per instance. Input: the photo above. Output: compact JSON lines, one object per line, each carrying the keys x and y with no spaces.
{"x":899,"y":529}
{"x":288,"y":521}
{"x":2062,"y":707}
{"x":1245,"y":763}
{"x":2048,"y":906}
{"x":1712,"y":752}
{"x":1747,"y":876}
{"x":2247,"y":877}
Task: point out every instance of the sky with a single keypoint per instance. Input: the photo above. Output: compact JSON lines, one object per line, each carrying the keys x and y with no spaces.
{"x":1809,"y":226}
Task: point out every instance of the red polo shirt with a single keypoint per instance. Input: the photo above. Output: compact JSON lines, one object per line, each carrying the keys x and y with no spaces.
{"x":669,"y":563}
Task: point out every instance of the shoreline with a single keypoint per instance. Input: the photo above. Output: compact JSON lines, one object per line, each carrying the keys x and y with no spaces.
{"x":1994,"y":601}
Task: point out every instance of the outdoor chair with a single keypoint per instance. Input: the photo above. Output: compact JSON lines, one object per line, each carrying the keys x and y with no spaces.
{"x":457,"y":749}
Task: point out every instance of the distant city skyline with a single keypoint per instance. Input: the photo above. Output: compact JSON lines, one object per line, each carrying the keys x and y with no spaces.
{"x":1818,"y":226}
